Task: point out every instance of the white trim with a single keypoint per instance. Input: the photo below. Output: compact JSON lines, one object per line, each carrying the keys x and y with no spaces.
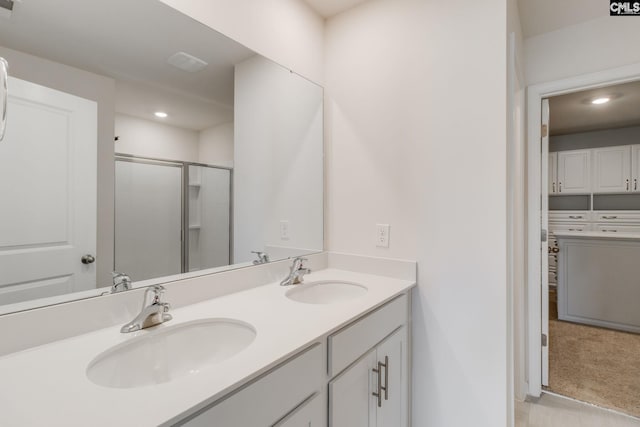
{"x":535,"y":94}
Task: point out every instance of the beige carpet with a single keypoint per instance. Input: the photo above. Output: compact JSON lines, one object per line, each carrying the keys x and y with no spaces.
{"x":595,"y":365}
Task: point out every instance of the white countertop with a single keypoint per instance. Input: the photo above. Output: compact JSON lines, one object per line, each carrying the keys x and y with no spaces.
{"x":597,"y":235}
{"x":47,"y":385}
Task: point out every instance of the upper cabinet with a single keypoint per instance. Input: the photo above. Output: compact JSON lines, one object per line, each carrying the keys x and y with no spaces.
{"x":553,"y":173}
{"x":635,"y":168}
{"x":574,"y":172}
{"x":612,"y":169}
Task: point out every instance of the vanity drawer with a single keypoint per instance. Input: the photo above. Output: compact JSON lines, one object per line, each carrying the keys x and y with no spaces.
{"x":569,"y":227}
{"x":618,"y":228}
{"x":346,"y":345}
{"x":269,"y":398}
{"x":617,"y":216}
{"x":573,"y":216}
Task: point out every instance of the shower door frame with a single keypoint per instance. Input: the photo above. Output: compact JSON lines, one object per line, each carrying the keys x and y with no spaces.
{"x":184,"y":233}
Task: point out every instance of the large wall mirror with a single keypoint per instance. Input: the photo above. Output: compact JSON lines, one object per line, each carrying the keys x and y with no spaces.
{"x":142,"y":142}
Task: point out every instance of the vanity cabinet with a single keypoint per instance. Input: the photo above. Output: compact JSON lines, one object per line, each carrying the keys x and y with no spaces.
{"x":574,"y":169}
{"x":370,"y":364}
{"x":359,"y":373}
{"x":370,"y":393}
{"x":284,"y":396}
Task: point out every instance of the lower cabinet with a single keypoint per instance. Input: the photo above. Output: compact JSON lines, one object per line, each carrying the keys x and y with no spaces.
{"x":373,"y":391}
{"x":361,"y":375}
{"x":281,"y":396}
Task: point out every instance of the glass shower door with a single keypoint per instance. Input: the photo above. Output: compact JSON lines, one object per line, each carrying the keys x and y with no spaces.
{"x":148,"y":218}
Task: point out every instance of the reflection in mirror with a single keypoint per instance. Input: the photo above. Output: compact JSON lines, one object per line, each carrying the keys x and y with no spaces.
{"x":128,"y":150}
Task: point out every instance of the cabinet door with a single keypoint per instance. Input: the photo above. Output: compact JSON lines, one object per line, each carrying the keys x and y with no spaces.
{"x":392,"y":352}
{"x":310,"y":414}
{"x":635,"y":168}
{"x":612,"y":169}
{"x":574,"y":172}
{"x":351,"y":403}
{"x":553,"y":173}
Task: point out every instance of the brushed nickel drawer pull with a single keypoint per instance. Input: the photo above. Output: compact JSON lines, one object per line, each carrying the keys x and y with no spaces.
{"x":575,"y":216}
{"x":554,"y":188}
{"x":635,"y":184}
{"x":386,"y":378}
{"x":627,"y":185}
{"x":379,"y":392}
{"x":610,"y":217}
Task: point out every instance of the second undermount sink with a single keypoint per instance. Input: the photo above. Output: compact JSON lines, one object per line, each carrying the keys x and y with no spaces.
{"x":326,"y":292}
{"x":160,"y":356}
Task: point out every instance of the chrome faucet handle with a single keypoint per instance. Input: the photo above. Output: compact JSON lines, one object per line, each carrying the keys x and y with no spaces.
{"x":263,"y":257}
{"x":158,"y":291}
{"x":121,"y":282}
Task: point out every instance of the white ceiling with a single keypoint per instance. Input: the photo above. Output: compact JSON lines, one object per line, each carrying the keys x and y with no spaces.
{"x":542,"y":16}
{"x":131,"y":41}
{"x":574,"y":112}
{"x":329,"y":8}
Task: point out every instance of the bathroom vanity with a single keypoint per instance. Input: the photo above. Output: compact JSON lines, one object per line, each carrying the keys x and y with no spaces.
{"x":332,"y":351}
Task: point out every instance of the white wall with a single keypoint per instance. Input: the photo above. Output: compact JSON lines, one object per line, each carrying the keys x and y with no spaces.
{"x":595,"y":45}
{"x":215,"y":145}
{"x":416,"y":132}
{"x":286,"y":31}
{"x":278,"y":159}
{"x":146,"y":138}
{"x":101,"y":90}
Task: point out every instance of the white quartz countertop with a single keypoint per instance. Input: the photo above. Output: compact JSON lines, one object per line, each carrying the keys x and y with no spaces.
{"x":47,"y":385}
{"x":597,"y":235}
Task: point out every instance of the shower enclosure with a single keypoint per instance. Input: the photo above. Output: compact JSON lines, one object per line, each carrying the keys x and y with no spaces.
{"x":170,"y":217}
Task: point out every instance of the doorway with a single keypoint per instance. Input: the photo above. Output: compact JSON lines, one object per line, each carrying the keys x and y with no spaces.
{"x":538,"y":193}
{"x":572,"y":170}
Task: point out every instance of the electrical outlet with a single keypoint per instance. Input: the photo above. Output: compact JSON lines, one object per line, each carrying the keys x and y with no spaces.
{"x":382,"y":235}
{"x":284,"y":230}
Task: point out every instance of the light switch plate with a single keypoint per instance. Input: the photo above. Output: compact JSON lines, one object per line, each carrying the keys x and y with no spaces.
{"x":382,"y":235}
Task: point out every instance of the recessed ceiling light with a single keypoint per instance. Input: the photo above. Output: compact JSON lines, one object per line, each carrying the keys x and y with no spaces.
{"x":161,"y":114}
{"x":599,"y":101}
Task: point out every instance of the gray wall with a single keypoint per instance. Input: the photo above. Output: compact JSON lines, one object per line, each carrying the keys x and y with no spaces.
{"x":601,"y":138}
{"x":101,"y":90}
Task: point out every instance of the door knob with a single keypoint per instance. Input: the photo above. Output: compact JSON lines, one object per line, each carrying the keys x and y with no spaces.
{"x":88,"y":259}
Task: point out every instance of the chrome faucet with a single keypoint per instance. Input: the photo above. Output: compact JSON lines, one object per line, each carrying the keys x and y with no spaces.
{"x":263,"y":257}
{"x":121,"y":282}
{"x":152,"y":314}
{"x":296,"y":275}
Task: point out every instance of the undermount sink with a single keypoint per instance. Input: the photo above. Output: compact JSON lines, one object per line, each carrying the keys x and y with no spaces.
{"x":163,"y":355}
{"x":326,"y":292}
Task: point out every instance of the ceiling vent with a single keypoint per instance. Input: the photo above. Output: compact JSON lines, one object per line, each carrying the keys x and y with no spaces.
{"x":186,"y":62}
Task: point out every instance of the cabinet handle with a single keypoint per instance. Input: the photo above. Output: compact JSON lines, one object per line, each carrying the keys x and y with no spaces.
{"x":609,"y":231}
{"x":575,"y":216}
{"x":378,"y":394}
{"x":554,"y":187}
{"x":627,"y":185}
{"x":635,"y":184}
{"x":386,"y":377}
{"x":4,"y":76}
{"x":559,"y":187}
{"x":610,"y":217}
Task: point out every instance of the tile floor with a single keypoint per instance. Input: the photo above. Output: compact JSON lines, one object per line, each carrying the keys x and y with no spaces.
{"x":556,"y":411}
